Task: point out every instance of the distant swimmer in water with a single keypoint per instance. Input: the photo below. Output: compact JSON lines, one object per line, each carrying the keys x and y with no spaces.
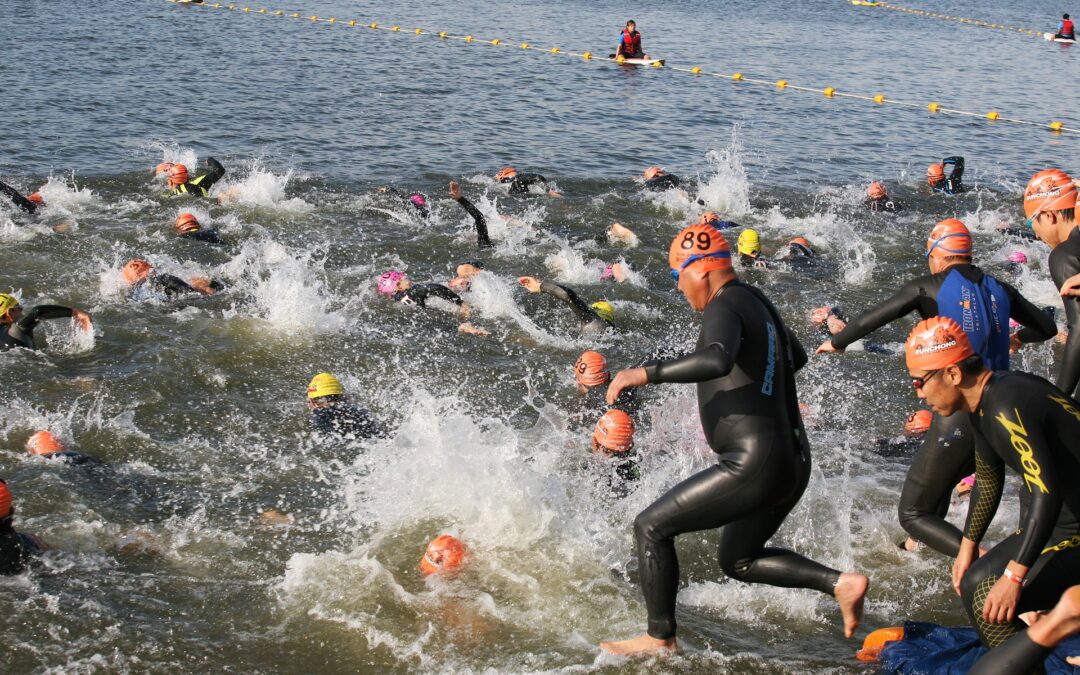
{"x":465,"y":273}
{"x":613,"y":436}
{"x":30,"y":203}
{"x":17,"y":549}
{"x":1026,"y":651}
{"x":17,"y":326}
{"x":712,"y":218}
{"x":331,"y":412}
{"x":482,"y":238}
{"x":1065,"y":29}
{"x":595,"y":318}
{"x":744,"y":367}
{"x":798,"y":249}
{"x":181,"y":183}
{"x":616,"y":271}
{"x":445,"y":555}
{"x":523,"y":183}
{"x":188,"y":227}
{"x":877,"y":199}
{"x":415,"y":203}
{"x":397,"y":285}
{"x":749,"y":248}
{"x":630,"y":43}
{"x":658,"y":180}
{"x":621,"y":234}
{"x":953,"y":182}
{"x":45,"y":444}
{"x":144,"y":283}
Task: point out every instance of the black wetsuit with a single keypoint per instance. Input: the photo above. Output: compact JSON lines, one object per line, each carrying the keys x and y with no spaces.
{"x":163,"y":287}
{"x":21,"y":333}
{"x":664,"y":181}
{"x":520,"y":184}
{"x":418,"y":294}
{"x":747,"y":260}
{"x":590,"y":321}
{"x":16,"y":549}
{"x":74,"y":458}
{"x":744,"y":367}
{"x":482,"y":238}
{"x":1018,"y":654}
{"x":884,"y":204}
{"x":421,"y":211}
{"x":1027,"y":424}
{"x":208,"y":236}
{"x":201,"y":185}
{"x":947,"y":454}
{"x":954,"y":181}
{"x":345,"y":420}
{"x":1065,"y":262}
{"x":17,"y":199}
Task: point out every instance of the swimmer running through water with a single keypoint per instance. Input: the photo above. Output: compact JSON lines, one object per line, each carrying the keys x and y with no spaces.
{"x":744,"y":367}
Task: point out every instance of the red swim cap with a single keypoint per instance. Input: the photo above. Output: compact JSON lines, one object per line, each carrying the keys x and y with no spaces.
{"x":948,"y":238}
{"x":135,"y":271}
{"x":43,"y":443}
{"x":445,"y":554}
{"x":709,"y":218}
{"x":801,"y":241}
{"x":178,"y":175}
{"x":1049,"y":190}
{"x":162,"y":168}
{"x":5,"y":499}
{"x":591,"y":370}
{"x":704,"y":244}
{"x":935,"y":173}
{"x":918,"y":423}
{"x":36,"y":198}
{"x":506,"y":174}
{"x":186,"y":222}
{"x":876,"y":191}
{"x":936,"y":343}
{"x":614,"y":432}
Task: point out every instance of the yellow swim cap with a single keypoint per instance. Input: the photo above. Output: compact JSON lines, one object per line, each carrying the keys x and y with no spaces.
{"x":324,"y":384}
{"x":7,"y":302}
{"x":604,"y":310}
{"x":749,"y":244}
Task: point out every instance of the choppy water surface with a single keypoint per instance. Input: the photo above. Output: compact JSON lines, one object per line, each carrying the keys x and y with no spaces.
{"x":161,"y":564}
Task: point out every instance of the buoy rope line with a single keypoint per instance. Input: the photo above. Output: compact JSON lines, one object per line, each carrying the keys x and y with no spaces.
{"x":959,"y":19}
{"x":781,"y":84}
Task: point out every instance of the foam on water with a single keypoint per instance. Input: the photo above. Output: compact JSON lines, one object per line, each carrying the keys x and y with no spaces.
{"x":725,"y":188}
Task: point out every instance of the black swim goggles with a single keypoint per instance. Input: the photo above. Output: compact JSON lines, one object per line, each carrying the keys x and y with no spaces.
{"x":695,"y":258}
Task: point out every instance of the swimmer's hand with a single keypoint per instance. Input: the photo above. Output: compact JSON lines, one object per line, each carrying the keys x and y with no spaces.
{"x":531,"y":283}
{"x":626,"y":379}
{"x":83,"y":319}
{"x":968,"y":553}
{"x":618,"y":272}
{"x":202,"y":285}
{"x":1001,"y":602}
{"x":469,"y":329}
{"x":458,"y":284}
{"x":619,"y":232}
{"x":455,"y":190}
{"x":1062,"y":337}
{"x":464,"y":311}
{"x":1071,"y":286}
{"x":828,"y":348}
{"x":553,"y":193}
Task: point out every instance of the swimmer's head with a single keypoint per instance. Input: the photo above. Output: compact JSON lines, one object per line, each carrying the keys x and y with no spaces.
{"x":749,"y":242}
{"x":819,"y":315}
{"x":388,"y":282}
{"x":918,"y":423}
{"x":877,"y":191}
{"x":186,"y":222}
{"x":630,"y":25}
{"x":609,"y":271}
{"x":43,"y":443}
{"x":709,"y":218}
{"x":178,"y":175}
{"x":949,"y":238}
{"x":162,"y":168}
{"x":604,"y":310}
{"x":418,"y":201}
{"x":942,"y":365}
{"x":36,"y":198}
{"x":698,"y":247}
{"x":591,"y":369}
{"x":936,"y":343}
{"x":935,"y":175}
{"x":6,"y":510}
{"x":506,"y":174}
{"x":7,"y":303}
{"x":324,"y":384}
{"x":1018,"y":257}
{"x":801,"y":245}
{"x":469,"y":269}
{"x":135,"y":271}
{"x":653,"y":172}
{"x":1050,"y":191}
{"x":444,"y":555}
{"x":614,"y":432}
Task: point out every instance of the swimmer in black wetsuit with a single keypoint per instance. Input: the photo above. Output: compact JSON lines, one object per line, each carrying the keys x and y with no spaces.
{"x":1026,"y":651}
{"x":1050,"y":205}
{"x":188,"y":227}
{"x":658,"y":180}
{"x":17,"y":549}
{"x":45,"y":444}
{"x":17,"y":326}
{"x":331,"y":412}
{"x":749,"y":247}
{"x":596,"y":318}
{"x":744,"y":367}
{"x":29,"y":204}
{"x":1024,"y":423}
{"x":482,"y":238}
{"x":951,"y":184}
{"x":592,"y":376}
{"x":520,"y":183}
{"x":613,"y":436}
{"x":398,"y":286}
{"x":947,"y":455}
{"x":200,"y":185}
{"x":414,"y":202}
{"x":144,"y":283}
{"x":877,"y":199}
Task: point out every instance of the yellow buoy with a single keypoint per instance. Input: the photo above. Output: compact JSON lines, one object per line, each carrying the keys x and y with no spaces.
{"x":880,"y":98}
{"x":496,"y":42}
{"x":736,"y":76}
{"x":524,"y":45}
{"x":1056,"y":126}
{"x":781,"y":84}
{"x":830,"y":92}
{"x":554,"y":50}
{"x":587,"y":55}
{"x":468,"y":38}
{"x":695,"y":70}
{"x":934,"y":107}
{"x":992,"y":115}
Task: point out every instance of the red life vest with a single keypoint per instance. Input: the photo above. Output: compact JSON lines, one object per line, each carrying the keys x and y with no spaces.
{"x":1066,"y":28}
{"x":631,"y":43}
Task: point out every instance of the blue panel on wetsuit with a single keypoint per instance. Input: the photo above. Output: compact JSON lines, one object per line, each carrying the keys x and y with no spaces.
{"x":982,"y":310}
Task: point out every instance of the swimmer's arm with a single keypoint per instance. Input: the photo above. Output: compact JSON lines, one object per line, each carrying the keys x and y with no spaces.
{"x":173,"y":286}
{"x":16,"y":198}
{"x":957,"y":164}
{"x":482,"y":237}
{"x":901,"y":304}
{"x":1037,"y":324}
{"x":34,"y":315}
{"x":440,"y":291}
{"x":722,"y":334}
{"x":583,"y":312}
{"x":986,"y":494}
{"x":215,"y":173}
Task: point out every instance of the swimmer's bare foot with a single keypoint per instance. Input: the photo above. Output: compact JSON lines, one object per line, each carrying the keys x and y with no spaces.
{"x":850,"y":591}
{"x":640,"y":645}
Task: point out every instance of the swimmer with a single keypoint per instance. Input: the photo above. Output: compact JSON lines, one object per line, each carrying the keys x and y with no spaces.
{"x":1050,"y":206}
{"x":45,"y":444}
{"x":592,"y":375}
{"x":1026,"y":651}
{"x":798,"y":248}
{"x":829,"y":318}
{"x":951,"y":184}
{"x":620,"y":234}
{"x":331,"y":412}
{"x":616,"y":271}
{"x":187,"y":226}
{"x":595,"y":318}
{"x":1029,"y":426}
{"x":1065,"y":29}
{"x":749,"y":247}
{"x":522,"y":183}
{"x":445,"y":555}
{"x":144,"y":283}
{"x":17,"y":549}
{"x":398,"y":286}
{"x":30,"y":203}
{"x":957,"y":288}
{"x":482,"y":238}
{"x":614,"y":437}
{"x":744,"y":367}
{"x":630,"y":43}
{"x":179,"y":183}
{"x":905,"y":445}
{"x":877,"y":199}
{"x":713,"y":218}
{"x":414,"y":202}
{"x":465,"y":272}
{"x":17,"y":326}
{"x":658,"y":180}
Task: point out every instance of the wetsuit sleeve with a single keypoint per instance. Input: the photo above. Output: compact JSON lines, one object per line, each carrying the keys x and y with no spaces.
{"x":445,"y":293}
{"x":1061,"y":268}
{"x":798,"y":352}
{"x":34,"y":315}
{"x":481,"y":223}
{"x":173,"y":286}
{"x":583,"y":312}
{"x":215,"y":173}
{"x":986,"y":493}
{"x":721,"y":334}
{"x":16,"y":198}
{"x":419,"y":293}
{"x":903,"y":303}
{"x":1037,"y":324}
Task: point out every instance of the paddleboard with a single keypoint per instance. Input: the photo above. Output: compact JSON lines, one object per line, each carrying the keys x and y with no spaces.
{"x":1051,"y":38}
{"x":638,"y":62}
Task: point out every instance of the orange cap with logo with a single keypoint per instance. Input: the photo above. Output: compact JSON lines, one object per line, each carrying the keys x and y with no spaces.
{"x":948,"y":238}
{"x":614,"y":432}
{"x":591,"y":370}
{"x":162,"y":168}
{"x":702,"y":245}
{"x":135,"y":271}
{"x":709,"y":217}
{"x":445,"y":554}
{"x":186,"y":222}
{"x":1049,"y":190}
{"x":936,"y":343}
{"x":935,"y":173}
{"x":43,"y":443}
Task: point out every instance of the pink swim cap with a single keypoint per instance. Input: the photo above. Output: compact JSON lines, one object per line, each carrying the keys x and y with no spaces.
{"x":1013,"y":324}
{"x":968,"y":480}
{"x":608,"y":271}
{"x":1018,"y":257}
{"x":418,"y":200}
{"x":389,"y":280}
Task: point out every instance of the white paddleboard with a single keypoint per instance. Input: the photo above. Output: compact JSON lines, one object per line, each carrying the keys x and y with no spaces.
{"x":638,"y":62}
{"x":1051,"y":38}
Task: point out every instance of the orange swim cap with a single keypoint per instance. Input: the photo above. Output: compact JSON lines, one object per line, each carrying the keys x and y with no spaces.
{"x":162,"y":168}
{"x":935,"y":173}
{"x":135,"y":271}
{"x":653,"y":172}
{"x":186,"y":222}
{"x":948,"y":238}
{"x":614,"y":432}
{"x":918,"y":423}
{"x":875,"y":642}
{"x":506,"y":174}
{"x":445,"y":554}
{"x":801,"y":241}
{"x":5,"y":499}
{"x":1049,"y":190}
{"x":936,"y":343}
{"x":590,"y":369}
{"x":820,"y":315}
{"x":877,"y":191}
{"x":178,"y":175}
{"x":699,"y":244}
{"x":43,"y":443}
{"x":36,"y":198}
{"x":709,"y":218}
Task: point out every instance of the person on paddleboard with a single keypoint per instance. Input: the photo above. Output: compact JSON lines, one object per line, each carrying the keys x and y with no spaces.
{"x":630,"y":43}
{"x":1065,"y":29}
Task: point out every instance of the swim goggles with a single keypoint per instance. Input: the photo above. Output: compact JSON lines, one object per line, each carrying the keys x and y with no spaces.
{"x":948,"y":250}
{"x":695,"y":258}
